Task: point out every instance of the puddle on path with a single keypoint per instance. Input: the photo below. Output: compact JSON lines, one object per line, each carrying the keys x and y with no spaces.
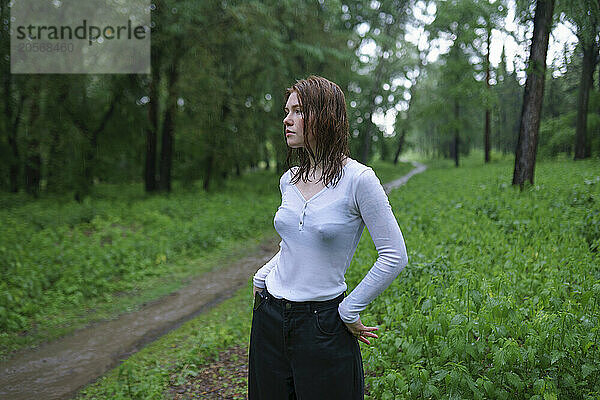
{"x":59,"y":369}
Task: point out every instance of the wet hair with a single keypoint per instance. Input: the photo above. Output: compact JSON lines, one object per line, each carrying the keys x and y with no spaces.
{"x":323,"y":107}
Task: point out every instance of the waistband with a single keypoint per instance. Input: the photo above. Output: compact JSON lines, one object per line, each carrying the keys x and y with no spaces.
{"x":303,"y":305}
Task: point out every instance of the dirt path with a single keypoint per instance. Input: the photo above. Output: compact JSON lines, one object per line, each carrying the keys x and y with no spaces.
{"x":401,"y":181}
{"x":59,"y":369}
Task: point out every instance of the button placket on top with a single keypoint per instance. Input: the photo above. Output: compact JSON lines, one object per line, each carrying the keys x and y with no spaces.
{"x":301,"y":224}
{"x":305,"y":204}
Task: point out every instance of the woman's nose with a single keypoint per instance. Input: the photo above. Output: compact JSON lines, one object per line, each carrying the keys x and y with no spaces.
{"x":287,"y":120}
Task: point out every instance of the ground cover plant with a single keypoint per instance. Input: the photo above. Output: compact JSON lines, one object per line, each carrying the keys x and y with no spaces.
{"x":500,"y":296}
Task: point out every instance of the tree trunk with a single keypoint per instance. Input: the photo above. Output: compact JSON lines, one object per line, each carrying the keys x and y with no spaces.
{"x":10,"y":134}
{"x":152,"y":130}
{"x":7,"y":95}
{"x":582,"y":142}
{"x":12,"y":140}
{"x":52,"y":176}
{"x":86,"y":179}
{"x":597,"y":131}
{"x":534,"y":95}
{"x":33,"y":161}
{"x":33,"y":168}
{"x":383,"y":148}
{"x":168,"y":129}
{"x":212,"y":164}
{"x":208,"y":170}
{"x":13,"y":125}
{"x":400,"y":146}
{"x":53,"y":164}
{"x":487,"y":109}
{"x":167,"y":145}
{"x":366,"y":145}
{"x":267,"y":159}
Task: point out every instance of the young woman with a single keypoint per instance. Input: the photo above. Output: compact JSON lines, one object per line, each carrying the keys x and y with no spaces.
{"x":305,"y":331}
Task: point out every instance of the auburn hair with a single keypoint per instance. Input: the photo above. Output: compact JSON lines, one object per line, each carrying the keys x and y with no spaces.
{"x":325,"y":117}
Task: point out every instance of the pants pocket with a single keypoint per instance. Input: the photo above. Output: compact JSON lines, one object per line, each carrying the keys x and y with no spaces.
{"x":328,"y":321}
{"x":258,"y":300}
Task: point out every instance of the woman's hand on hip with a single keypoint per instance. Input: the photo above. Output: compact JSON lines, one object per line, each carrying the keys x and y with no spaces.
{"x":256,"y":289}
{"x":361,"y":332}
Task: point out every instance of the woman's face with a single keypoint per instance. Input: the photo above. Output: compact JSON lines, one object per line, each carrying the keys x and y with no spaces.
{"x":294,"y":123}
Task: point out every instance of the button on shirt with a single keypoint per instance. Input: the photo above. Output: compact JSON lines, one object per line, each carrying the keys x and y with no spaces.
{"x":319,"y":237}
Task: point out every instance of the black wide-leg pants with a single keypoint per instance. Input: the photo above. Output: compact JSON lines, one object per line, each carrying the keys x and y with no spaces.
{"x":302,"y":351}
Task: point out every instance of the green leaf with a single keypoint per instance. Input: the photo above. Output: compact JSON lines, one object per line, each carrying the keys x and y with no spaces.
{"x":514,"y":380}
{"x":587,"y":369}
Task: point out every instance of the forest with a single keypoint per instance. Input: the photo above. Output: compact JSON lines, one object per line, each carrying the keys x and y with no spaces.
{"x":117,"y":189}
{"x":211,"y":107}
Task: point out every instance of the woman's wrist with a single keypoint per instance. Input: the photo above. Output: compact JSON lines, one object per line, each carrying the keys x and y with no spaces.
{"x":257,"y":289}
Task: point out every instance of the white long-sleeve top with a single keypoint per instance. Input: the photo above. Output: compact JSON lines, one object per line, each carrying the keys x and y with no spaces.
{"x":319,"y":238}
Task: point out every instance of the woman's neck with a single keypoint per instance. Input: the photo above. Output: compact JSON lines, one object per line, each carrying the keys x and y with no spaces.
{"x":316,"y":170}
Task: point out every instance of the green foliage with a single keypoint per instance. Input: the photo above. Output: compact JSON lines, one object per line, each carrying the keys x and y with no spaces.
{"x":233,"y":60}
{"x":220,"y":70}
{"x":453,"y":96}
{"x":585,"y":15}
{"x":500,"y":296}
{"x":56,"y":254}
{"x":379,"y":26}
{"x":557,"y":135}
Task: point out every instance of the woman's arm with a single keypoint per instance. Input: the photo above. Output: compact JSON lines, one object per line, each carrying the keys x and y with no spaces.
{"x":261,"y":274}
{"x":373,"y":205}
